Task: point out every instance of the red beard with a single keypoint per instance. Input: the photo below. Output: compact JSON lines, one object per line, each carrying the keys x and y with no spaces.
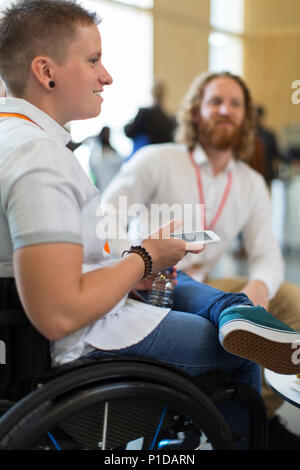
{"x":218,"y":136}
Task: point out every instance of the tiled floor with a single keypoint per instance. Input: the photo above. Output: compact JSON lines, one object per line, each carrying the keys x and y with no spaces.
{"x":233,"y":266}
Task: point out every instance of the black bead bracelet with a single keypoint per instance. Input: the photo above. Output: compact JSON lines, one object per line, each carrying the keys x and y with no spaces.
{"x":140,"y":250}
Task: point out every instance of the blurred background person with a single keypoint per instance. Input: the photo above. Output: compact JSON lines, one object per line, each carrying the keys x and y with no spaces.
{"x":104,"y":160}
{"x":2,"y":89}
{"x":152,"y":125}
{"x":266,"y":154}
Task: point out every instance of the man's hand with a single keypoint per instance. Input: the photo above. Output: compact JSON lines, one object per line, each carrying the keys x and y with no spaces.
{"x":257,"y":292}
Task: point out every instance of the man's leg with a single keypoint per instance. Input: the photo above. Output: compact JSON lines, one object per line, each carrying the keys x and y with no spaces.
{"x":228,"y":284}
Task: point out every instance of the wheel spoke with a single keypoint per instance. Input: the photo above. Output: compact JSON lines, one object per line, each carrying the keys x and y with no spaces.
{"x":104,"y":429}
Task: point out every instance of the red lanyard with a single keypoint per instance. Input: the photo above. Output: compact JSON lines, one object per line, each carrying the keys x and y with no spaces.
{"x":201,"y":195}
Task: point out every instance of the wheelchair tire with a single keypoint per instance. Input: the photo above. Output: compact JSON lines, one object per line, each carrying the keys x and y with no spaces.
{"x":131,"y":396}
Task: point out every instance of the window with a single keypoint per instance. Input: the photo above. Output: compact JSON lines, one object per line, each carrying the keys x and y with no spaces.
{"x":225,"y":53}
{"x":138,"y":3}
{"x":4,"y":4}
{"x":226,"y":48}
{"x":127,"y":41}
{"x":227,"y":15}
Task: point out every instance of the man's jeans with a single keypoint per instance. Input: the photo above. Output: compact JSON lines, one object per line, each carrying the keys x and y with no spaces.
{"x":187,"y":338}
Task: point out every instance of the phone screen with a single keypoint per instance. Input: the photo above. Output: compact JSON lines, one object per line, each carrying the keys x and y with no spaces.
{"x":193,"y":236}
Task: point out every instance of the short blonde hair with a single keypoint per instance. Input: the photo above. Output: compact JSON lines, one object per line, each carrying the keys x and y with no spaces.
{"x":187,"y":131}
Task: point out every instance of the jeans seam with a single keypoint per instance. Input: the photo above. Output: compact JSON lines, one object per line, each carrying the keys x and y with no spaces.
{"x":219,"y":364}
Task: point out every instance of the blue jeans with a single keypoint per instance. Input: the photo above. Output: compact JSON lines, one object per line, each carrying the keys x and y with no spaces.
{"x":187,"y":338}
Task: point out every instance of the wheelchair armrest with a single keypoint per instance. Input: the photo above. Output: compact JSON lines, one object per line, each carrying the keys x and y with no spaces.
{"x":15,"y":317}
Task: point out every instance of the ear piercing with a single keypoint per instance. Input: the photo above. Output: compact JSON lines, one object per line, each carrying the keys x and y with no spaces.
{"x":51,"y":84}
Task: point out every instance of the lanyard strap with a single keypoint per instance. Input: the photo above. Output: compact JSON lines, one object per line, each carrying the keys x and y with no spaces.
{"x":21,"y":116}
{"x":201,"y":194}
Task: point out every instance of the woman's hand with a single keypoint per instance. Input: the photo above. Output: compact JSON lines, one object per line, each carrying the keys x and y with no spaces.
{"x":165,"y":250}
{"x":147,"y":284}
{"x":64,"y":299}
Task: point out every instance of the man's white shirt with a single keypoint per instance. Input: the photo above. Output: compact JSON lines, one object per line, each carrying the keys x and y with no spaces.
{"x":164,"y":174}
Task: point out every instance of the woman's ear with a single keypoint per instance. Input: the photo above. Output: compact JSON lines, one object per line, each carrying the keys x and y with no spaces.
{"x":42,"y":69}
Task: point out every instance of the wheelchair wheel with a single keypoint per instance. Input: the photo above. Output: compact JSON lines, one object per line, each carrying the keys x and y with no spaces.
{"x":117,"y":405}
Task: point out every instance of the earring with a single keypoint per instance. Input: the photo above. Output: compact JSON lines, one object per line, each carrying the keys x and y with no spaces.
{"x":51,"y":84}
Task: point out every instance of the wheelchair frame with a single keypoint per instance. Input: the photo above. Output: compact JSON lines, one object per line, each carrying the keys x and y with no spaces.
{"x":49,"y":396}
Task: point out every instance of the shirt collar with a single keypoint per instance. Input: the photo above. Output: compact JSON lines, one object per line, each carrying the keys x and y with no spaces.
{"x":200,"y":158}
{"x":20,"y":106}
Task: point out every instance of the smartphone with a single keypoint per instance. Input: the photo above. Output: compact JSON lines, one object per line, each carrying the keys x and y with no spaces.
{"x":193,"y":239}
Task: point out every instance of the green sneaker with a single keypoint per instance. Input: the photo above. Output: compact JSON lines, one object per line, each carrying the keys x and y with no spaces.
{"x":254,"y":333}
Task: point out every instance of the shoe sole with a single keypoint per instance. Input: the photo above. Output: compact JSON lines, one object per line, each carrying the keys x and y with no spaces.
{"x":254,"y":343}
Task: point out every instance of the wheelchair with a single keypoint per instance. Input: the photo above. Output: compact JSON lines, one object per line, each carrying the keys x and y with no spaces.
{"x":115,"y":403}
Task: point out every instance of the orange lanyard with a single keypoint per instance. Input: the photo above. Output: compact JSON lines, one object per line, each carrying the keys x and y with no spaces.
{"x":201,"y":194}
{"x":21,"y":116}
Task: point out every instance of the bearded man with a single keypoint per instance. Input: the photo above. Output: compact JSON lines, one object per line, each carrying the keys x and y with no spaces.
{"x":207,"y":168}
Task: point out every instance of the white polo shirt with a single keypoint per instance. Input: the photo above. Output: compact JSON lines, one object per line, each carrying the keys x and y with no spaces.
{"x":46,"y":197}
{"x":165,"y":174}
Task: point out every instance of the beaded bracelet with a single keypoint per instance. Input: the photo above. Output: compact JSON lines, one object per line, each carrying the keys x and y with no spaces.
{"x":140,"y":250}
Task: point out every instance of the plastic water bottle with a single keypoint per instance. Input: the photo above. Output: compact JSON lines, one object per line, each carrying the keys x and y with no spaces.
{"x":162,"y":290}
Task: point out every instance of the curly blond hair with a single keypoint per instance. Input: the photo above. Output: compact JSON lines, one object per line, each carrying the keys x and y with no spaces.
{"x":187,"y":131}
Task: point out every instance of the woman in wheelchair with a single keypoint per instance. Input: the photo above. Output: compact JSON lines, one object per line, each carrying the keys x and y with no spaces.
{"x":52,"y":245}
